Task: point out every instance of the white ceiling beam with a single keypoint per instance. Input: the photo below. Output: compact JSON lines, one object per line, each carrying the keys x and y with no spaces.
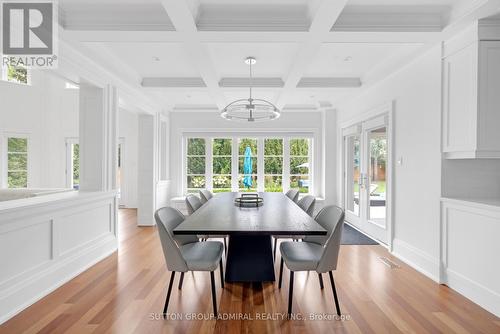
{"x":114,"y":36}
{"x":326,"y":15}
{"x":184,"y":23}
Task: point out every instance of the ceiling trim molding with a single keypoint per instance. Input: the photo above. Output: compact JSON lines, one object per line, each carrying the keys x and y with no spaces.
{"x":256,"y":82}
{"x":329,"y":83}
{"x":159,"y":82}
{"x":391,"y":19}
{"x":123,"y":17}
{"x":252,"y":18}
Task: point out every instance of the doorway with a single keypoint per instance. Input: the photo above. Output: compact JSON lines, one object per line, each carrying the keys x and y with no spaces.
{"x":367,"y":177}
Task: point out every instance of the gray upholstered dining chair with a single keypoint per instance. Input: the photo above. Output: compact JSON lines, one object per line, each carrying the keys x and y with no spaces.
{"x":309,"y":256}
{"x":186,"y":253}
{"x":193,"y":203}
{"x":205,"y":195}
{"x":307,"y":204}
{"x":293,"y":194}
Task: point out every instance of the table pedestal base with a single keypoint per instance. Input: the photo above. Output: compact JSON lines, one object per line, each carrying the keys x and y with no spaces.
{"x":250,"y":259}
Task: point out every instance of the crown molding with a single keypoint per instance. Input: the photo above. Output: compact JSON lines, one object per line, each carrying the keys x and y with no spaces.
{"x":252,"y":18}
{"x":172,"y":82}
{"x":329,"y":83}
{"x":256,"y":82}
{"x":392,"y":19}
{"x":114,"y":17}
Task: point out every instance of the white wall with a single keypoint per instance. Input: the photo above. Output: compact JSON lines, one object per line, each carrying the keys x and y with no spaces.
{"x":471,"y":178}
{"x":48,"y":113}
{"x":211,"y":122}
{"x":416,"y":92}
{"x":128,"y":131}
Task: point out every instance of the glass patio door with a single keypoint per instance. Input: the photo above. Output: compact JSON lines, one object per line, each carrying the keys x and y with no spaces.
{"x":366,"y":177}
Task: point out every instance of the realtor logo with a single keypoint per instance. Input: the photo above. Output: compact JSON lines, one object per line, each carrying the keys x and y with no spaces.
{"x":29,"y":33}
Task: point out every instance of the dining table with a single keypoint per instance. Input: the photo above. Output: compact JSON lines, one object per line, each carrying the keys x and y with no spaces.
{"x":250,"y":228}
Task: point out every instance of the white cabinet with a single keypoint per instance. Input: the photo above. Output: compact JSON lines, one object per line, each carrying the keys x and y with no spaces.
{"x":471,"y":96}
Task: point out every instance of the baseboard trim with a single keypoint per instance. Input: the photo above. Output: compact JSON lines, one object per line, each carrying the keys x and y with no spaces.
{"x":29,"y":292}
{"x":476,"y":292}
{"x":417,"y":259}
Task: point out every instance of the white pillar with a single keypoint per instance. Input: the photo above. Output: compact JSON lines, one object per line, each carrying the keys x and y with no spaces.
{"x":147,"y":169}
{"x":98,"y":138}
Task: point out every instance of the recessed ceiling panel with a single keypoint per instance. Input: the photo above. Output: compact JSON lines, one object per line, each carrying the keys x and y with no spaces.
{"x":273,"y":59}
{"x":264,"y":94}
{"x":155,"y":59}
{"x":318,"y":96}
{"x":183,"y":96}
{"x":353,"y":59}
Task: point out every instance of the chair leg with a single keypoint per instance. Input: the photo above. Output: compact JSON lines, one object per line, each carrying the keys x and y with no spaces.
{"x":181,"y":280}
{"x":320,"y":281}
{"x":281,"y":273}
{"x":172,"y":276}
{"x":290,"y":295}
{"x":337,"y":306}
{"x":225,"y":246}
{"x":275,"y":246}
{"x":221,"y":274}
{"x":214,"y":300}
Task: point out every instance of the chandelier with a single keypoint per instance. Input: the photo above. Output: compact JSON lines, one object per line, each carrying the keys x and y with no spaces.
{"x":251,"y":110}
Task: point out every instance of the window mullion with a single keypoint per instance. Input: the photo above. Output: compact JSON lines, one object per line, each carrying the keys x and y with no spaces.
{"x":286,"y":164}
{"x":208,"y":164}
{"x":234,"y":164}
{"x":311,"y":166}
{"x":260,"y":164}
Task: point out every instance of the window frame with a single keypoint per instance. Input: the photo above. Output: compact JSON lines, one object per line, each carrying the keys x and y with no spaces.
{"x":208,"y":153}
{"x":260,"y":137}
{"x":309,"y":160}
{"x":4,"y":183}
{"x":211,"y":161}
{"x":70,"y":142}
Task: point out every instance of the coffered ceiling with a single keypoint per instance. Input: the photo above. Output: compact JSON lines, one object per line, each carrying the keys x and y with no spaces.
{"x":189,"y":54}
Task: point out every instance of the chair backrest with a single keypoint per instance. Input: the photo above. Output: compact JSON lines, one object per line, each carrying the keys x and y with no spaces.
{"x":167,"y":220}
{"x":293,"y":194}
{"x":205,"y":195}
{"x":332,"y":219}
{"x":193,"y":203}
{"x":307,"y":204}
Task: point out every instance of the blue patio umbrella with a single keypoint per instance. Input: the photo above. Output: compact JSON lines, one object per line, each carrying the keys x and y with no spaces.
{"x":247,"y":168}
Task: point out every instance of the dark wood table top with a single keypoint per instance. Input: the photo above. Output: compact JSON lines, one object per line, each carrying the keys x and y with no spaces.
{"x":278,"y":216}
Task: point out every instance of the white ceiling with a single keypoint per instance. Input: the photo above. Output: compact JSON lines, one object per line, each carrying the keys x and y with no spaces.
{"x":189,"y":46}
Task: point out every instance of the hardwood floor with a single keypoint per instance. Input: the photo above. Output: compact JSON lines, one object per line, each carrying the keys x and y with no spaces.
{"x":125,"y":293}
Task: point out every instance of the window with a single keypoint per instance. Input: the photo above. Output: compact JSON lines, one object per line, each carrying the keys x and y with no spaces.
{"x":17,"y":74}
{"x":273,"y":165}
{"x":299,"y":164}
{"x":196,"y":158}
{"x":76,"y":166}
{"x":278,"y":164}
{"x":221,"y":165}
{"x":17,"y":162}
{"x":243,"y":143}
{"x":72,"y":163}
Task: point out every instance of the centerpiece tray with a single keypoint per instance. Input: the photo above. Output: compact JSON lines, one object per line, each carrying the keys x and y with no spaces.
{"x":249,"y":200}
